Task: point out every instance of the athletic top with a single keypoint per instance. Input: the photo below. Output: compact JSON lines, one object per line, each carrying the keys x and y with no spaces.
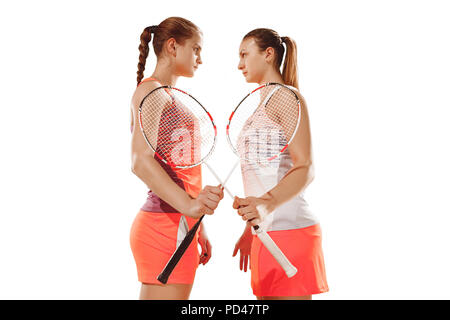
{"x":189,"y":179}
{"x":258,"y":179}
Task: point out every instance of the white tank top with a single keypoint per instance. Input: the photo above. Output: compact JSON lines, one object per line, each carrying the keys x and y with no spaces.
{"x":258,"y":179}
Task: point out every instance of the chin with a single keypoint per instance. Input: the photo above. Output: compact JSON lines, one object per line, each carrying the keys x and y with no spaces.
{"x":192,"y":73}
{"x":188,"y":74}
{"x":250,"y":80}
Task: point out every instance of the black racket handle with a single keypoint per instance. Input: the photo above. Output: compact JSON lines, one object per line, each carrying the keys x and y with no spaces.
{"x":165,"y":274}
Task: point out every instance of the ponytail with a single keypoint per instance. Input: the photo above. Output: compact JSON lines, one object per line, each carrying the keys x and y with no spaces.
{"x":146,"y":37}
{"x":265,"y":38}
{"x":174,"y":27}
{"x":289,"y":71}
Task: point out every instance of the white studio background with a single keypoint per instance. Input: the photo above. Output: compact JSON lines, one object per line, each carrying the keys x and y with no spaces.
{"x":375,"y":76}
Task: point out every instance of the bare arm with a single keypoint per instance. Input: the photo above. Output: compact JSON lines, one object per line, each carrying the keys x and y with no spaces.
{"x":252,"y":209}
{"x":301,"y":174}
{"x":144,"y":166}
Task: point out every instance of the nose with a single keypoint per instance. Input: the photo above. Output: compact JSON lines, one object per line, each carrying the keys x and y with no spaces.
{"x":240,"y":65}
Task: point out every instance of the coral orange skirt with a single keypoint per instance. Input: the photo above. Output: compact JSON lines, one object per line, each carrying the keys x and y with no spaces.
{"x":153,"y":239}
{"x":303,"y":248}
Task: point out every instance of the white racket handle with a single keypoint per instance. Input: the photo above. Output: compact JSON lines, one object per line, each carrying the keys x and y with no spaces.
{"x":276,"y":253}
{"x":218,"y":179}
{"x":267,"y":241}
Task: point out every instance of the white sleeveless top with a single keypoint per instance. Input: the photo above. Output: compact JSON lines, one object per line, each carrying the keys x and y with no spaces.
{"x":258,"y":179}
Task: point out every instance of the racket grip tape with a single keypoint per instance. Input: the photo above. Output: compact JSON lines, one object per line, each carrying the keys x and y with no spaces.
{"x":287,"y":266}
{"x":176,"y":256}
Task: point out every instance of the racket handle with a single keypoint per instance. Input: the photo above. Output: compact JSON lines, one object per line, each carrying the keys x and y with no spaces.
{"x":176,"y":256}
{"x":218,"y":179}
{"x":288,"y":268}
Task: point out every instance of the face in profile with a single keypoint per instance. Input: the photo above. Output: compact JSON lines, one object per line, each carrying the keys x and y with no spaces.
{"x":252,"y":61}
{"x":188,"y":56}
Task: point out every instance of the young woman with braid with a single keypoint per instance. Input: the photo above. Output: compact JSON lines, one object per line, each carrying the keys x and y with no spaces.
{"x":276,"y":202}
{"x":176,"y":199}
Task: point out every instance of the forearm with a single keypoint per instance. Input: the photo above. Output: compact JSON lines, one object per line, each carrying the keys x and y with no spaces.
{"x":157,"y":180}
{"x":293,"y":183}
{"x":202,"y":229}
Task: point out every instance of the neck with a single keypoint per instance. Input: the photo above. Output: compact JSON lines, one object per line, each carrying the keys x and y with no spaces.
{"x":271,"y":75}
{"x":165,"y":73}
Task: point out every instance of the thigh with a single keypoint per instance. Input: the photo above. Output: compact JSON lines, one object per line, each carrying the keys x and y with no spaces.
{"x":172,"y":291}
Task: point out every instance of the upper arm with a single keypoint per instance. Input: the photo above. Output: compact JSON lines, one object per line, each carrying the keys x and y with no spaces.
{"x":300,"y":148}
{"x":139,"y":147}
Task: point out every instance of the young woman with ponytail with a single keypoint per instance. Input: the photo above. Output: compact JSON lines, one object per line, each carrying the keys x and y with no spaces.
{"x":291,"y":224}
{"x":176,"y":199}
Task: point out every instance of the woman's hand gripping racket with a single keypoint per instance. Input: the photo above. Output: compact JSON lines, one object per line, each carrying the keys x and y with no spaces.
{"x":182,"y":134}
{"x":259,"y":130}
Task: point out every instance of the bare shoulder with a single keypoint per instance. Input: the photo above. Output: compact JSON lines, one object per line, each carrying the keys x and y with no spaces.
{"x":300,"y":97}
{"x":141,"y":91}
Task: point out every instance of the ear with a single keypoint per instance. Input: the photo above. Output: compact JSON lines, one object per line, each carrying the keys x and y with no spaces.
{"x":171,"y":46}
{"x":270,"y":55}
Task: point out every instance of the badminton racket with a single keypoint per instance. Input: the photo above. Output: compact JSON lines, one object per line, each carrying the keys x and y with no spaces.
{"x":259,"y":129}
{"x":182,"y":134}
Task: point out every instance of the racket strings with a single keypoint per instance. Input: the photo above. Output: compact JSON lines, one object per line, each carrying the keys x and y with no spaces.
{"x":178,"y":129}
{"x":264,"y":123}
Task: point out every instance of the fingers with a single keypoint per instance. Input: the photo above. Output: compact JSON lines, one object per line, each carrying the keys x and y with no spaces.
{"x":206,"y":253}
{"x":221,"y":195}
{"x":210,"y":204}
{"x":213,"y":197}
{"x":253,"y":218}
{"x":250,"y":216}
{"x":238,"y":202}
{"x":254,"y":222}
{"x":206,"y":206}
{"x":236,"y":249}
{"x":246,"y":210}
{"x":209,"y":252}
{"x":248,"y":213}
{"x":243,"y":262}
{"x":210,"y":197}
{"x":217,"y":190}
{"x":203,"y":259}
{"x":244,"y":248}
{"x":206,"y":210}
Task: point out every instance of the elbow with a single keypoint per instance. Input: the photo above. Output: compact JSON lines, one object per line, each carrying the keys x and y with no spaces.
{"x":135,"y":165}
{"x":134,"y":169}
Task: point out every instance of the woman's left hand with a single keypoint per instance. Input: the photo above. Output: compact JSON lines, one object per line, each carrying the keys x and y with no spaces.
{"x":206,"y":246}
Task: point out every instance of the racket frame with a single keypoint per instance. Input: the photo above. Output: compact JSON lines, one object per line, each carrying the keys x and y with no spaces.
{"x":252,"y":92}
{"x":181,"y":249}
{"x":154,"y":150}
{"x":271,"y":246}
